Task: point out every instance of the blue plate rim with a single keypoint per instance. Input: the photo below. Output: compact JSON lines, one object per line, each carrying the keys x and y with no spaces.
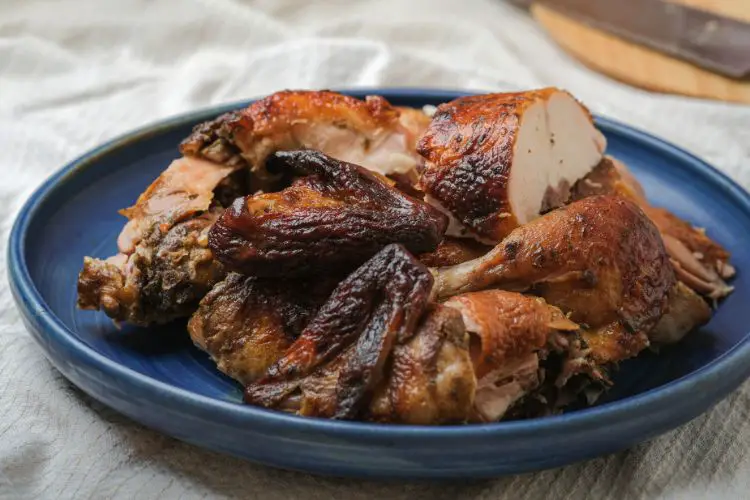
{"x":726,"y":367}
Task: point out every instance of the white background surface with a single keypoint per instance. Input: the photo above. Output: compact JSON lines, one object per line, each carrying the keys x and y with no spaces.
{"x":75,"y":73}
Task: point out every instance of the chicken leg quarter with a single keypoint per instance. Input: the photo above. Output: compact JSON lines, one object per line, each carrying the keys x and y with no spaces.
{"x":599,"y":259}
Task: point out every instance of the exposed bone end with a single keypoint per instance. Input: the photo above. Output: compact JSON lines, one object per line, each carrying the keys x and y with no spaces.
{"x":531,"y":148}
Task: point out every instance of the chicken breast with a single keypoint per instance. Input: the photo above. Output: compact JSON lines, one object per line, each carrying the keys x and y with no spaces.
{"x":497,"y":161}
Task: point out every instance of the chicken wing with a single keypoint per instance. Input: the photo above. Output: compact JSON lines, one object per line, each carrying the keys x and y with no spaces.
{"x":371,"y":133}
{"x":336,"y":217}
{"x":337,"y":362}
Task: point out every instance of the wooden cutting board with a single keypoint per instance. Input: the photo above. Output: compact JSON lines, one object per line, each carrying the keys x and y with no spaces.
{"x":643,"y":67}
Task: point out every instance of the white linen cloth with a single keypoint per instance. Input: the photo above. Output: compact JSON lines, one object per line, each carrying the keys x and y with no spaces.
{"x":75,"y":73}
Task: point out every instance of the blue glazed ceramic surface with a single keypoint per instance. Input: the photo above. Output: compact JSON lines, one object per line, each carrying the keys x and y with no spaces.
{"x":158,"y":378}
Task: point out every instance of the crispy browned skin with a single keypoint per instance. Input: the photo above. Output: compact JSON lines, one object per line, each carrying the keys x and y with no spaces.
{"x":431,"y":380}
{"x":599,"y":258}
{"x":469,"y":150}
{"x":453,"y":251}
{"x":510,"y":334}
{"x":346,"y":344}
{"x":507,"y":326}
{"x":371,"y":133}
{"x":699,"y":262}
{"x":164,"y":266}
{"x":336,"y":217}
{"x":246,"y":324}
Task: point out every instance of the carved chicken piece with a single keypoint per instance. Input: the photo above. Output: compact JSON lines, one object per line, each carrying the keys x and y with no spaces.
{"x":699,"y":262}
{"x":336,"y":217}
{"x":496,"y":161}
{"x":431,"y":378}
{"x":246,"y":324}
{"x":164,"y":265}
{"x":510,"y":334}
{"x":599,"y":259}
{"x":338,"y":361}
{"x":371,"y":133}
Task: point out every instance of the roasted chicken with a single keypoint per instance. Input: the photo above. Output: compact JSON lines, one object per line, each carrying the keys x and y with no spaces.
{"x":496,"y":161}
{"x":430,"y":379}
{"x":330,"y":280}
{"x":370,"y":133}
{"x":367,"y":354}
{"x":452,"y":251}
{"x":335,"y":217}
{"x":164,"y":265}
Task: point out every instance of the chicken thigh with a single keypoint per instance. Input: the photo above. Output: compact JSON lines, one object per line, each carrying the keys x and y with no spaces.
{"x":510,"y":335}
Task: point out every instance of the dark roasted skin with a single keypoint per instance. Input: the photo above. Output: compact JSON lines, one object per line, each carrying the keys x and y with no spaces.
{"x":468,"y":159}
{"x":164,"y":266}
{"x":599,"y":258}
{"x":453,"y":251}
{"x":246,"y":323}
{"x":332,"y":369}
{"x":335,"y":217}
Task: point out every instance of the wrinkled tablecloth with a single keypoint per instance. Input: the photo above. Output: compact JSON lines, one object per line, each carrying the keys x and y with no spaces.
{"x":75,"y":73}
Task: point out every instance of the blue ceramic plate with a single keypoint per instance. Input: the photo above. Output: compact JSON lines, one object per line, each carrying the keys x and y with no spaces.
{"x":159,"y":379}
